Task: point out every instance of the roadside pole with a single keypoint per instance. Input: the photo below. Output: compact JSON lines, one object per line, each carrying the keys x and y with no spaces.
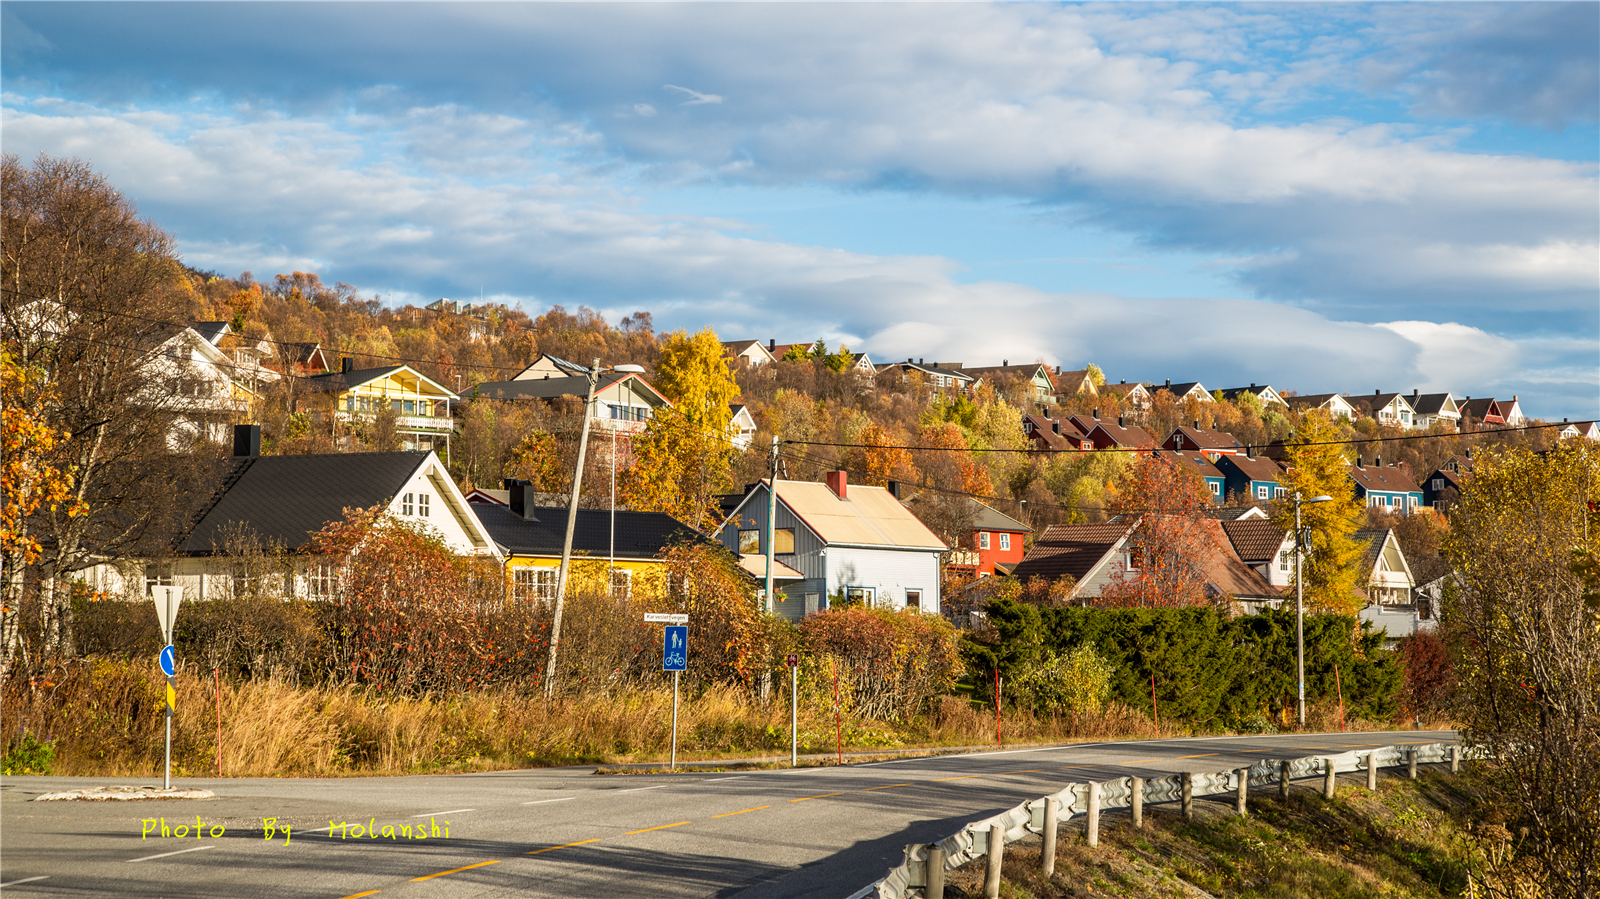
{"x":793,"y":661}
{"x":167,"y":600}
{"x":674,"y":658}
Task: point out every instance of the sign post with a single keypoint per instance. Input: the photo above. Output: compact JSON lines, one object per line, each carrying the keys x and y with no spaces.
{"x":167,"y":600}
{"x":793,"y":661}
{"x":674,"y":658}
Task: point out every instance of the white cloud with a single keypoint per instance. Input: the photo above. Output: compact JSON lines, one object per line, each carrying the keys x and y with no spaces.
{"x":695,"y":97}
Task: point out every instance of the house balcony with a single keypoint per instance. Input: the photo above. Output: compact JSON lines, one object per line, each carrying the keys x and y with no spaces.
{"x":409,"y":424}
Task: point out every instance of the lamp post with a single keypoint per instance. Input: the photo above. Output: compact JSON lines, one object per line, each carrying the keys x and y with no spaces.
{"x":1300,"y":601}
{"x":572,"y":520}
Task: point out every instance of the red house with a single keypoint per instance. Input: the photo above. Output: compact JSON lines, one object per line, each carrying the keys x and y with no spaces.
{"x":997,"y":538}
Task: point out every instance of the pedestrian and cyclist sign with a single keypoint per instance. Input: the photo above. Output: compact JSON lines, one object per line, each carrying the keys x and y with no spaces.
{"x":675,"y":648}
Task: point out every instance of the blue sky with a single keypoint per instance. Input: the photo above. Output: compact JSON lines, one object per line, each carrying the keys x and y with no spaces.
{"x":1323,"y":197}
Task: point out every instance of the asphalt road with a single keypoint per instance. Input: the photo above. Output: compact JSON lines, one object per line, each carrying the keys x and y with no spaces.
{"x":565,"y":832}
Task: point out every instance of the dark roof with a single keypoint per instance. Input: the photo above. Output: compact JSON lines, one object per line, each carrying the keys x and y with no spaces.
{"x":1229,"y":513}
{"x":1373,"y":402}
{"x":1388,"y":479}
{"x":1256,"y":540}
{"x":1373,"y":538}
{"x":640,"y":535}
{"x":1070,"y":549}
{"x":285,"y":499}
{"x":302,"y":352}
{"x":1198,"y":463}
{"x":1028,"y":370}
{"x":340,"y":381}
{"x":1481,"y":408}
{"x":1130,"y":436}
{"x":1067,"y":382}
{"x":211,"y":331}
{"x":1259,"y":468}
{"x":1311,"y":400}
{"x":1124,"y":388}
{"x":1232,"y":393}
{"x":986,"y":518}
{"x":1205,"y":439}
{"x":1428,"y":403}
{"x":1069,"y":438}
{"x":1176,"y":389}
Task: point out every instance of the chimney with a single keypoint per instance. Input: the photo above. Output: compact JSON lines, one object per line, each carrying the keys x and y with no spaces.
{"x":1415,"y":393}
{"x":1119,"y":422}
{"x":1252,"y":385}
{"x":1004,"y":362}
{"x":1376,"y":392}
{"x":1169,"y":382}
{"x":1123,"y":381}
{"x":519,"y":497}
{"x":1097,"y":415}
{"x":1377,"y":461}
{"x":347,"y":365}
{"x":922,"y":361}
{"x":1197,"y":424}
{"x":839,"y":483}
{"x":247,"y":440}
{"x":894,"y":489}
{"x":1358,"y":462}
{"x":772,"y":344}
{"x":1055,"y":426}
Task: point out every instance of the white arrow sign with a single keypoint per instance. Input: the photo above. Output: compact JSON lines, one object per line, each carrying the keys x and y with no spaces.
{"x":665,"y":618}
{"x":167,"y":600}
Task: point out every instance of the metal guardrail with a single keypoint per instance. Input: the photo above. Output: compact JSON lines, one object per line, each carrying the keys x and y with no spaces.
{"x":906,"y":880}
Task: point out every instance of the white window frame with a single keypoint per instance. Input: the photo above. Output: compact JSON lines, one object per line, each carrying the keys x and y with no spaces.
{"x":406,"y":504}
{"x":533,"y":584}
{"x":983,"y":539}
{"x":1005,"y":541}
{"x":422,"y":505}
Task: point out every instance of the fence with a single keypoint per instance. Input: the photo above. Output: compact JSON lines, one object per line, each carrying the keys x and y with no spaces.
{"x":921,"y":875}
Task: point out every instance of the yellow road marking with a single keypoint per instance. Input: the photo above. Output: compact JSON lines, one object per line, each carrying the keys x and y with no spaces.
{"x":359,"y":895}
{"x":942,"y":780}
{"x":1200,"y":756}
{"x":1027,"y":771}
{"x":1139,"y":762}
{"x":731,"y":814}
{"x":657,"y":827}
{"x":818,"y":796}
{"x":451,"y":871}
{"x":884,"y":787}
{"x":562,"y":846}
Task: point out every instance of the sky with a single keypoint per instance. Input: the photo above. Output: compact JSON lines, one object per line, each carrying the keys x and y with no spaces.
{"x":1323,"y":197}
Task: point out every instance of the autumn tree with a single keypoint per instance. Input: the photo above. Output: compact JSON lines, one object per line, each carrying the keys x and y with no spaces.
{"x":1524,"y":625}
{"x":876,"y":459}
{"x":1317,"y":467}
{"x":1170,"y":544}
{"x":89,"y":292}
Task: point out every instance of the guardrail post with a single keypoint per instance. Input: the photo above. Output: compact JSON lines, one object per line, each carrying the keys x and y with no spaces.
{"x":1136,"y":784}
{"x":1093,"y":829}
{"x":1047,"y":854}
{"x":933,"y":870}
{"x":1411,"y":764}
{"x":1328,"y":775}
{"x":997,"y":850}
{"x":1188,"y":796}
{"x":1283,"y":779}
{"x":1372,"y":771}
{"x":1244,"y":790}
{"x":1455,"y":760}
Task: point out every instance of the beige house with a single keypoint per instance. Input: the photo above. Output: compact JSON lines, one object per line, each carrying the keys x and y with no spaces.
{"x":421,"y":403}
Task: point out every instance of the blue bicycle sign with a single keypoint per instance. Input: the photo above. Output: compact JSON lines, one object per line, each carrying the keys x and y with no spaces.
{"x":675,"y":648}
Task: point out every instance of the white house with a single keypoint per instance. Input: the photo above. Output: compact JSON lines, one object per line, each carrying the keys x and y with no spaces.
{"x":1390,"y":604}
{"x":750,"y":352}
{"x":742,"y":427}
{"x":282,"y":501}
{"x":847,"y":542}
{"x":189,"y":377}
{"x":623,"y":401}
{"x":1336,"y":405}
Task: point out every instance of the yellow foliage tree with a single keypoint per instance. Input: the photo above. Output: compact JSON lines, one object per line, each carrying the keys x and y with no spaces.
{"x":1317,"y":467}
{"x":695,"y":377}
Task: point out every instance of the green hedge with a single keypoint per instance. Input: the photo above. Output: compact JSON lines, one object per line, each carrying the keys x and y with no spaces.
{"x":1210,"y":669}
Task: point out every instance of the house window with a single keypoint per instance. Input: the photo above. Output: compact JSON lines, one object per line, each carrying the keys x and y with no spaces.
{"x":913,"y":599}
{"x":422,"y":504}
{"x":749,"y":541}
{"x":783,"y":540}
{"x":534,"y":585}
{"x":322,"y":581}
{"x":349,"y":402}
{"x":621,"y":583}
{"x":1261,"y":492}
{"x":983,"y":539}
{"x":409,"y":407}
{"x":157,"y":575}
{"x":406,"y":505}
{"x":1438,"y":484}
{"x":1216,"y":489}
{"x":1283,"y":560}
{"x":862,"y":595}
{"x":1005,"y":541}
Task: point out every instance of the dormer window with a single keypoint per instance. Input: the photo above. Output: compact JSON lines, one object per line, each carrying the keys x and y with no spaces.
{"x":422,"y":505}
{"x":406,"y":504}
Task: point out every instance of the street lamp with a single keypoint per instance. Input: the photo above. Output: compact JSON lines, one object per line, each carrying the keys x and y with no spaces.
{"x":572,"y":520}
{"x":1300,"y":600}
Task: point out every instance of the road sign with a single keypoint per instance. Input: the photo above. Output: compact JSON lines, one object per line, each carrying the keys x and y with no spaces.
{"x":167,"y":600}
{"x":675,"y":648}
{"x":666,"y":618}
{"x":169,"y":661}
{"x":793,"y":661}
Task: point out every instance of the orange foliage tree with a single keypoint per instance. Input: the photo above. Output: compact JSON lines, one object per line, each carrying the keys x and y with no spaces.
{"x":890,"y":663}
{"x":876,"y":459}
{"x":1167,"y":549}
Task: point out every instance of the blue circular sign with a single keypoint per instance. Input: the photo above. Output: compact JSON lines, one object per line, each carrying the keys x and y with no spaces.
{"x":169,"y":661}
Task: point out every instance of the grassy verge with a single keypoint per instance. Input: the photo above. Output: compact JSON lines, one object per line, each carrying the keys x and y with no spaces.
{"x":1409,"y":839}
{"x":105,"y":718}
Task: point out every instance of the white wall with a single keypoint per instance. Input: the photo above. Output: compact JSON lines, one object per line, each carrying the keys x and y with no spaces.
{"x":889,"y":572}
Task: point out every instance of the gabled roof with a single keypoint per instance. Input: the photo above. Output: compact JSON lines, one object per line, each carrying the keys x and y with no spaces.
{"x":987,"y":518}
{"x":1044,"y":430}
{"x":1262,"y":392}
{"x":286,"y":499}
{"x":1256,"y":540}
{"x":1388,"y":479}
{"x":870,"y":517}
{"x":1203,"y":439}
{"x":211,"y":332}
{"x":931,"y":369}
{"x":340,"y":381}
{"x":1199,"y":464}
{"x":303,"y":353}
{"x":1029,"y":371}
{"x":1070,"y":382}
{"x":553,"y":388}
{"x":1132,"y":436}
{"x":1433,"y":404}
{"x":639,"y":535}
{"x":1377,"y":402}
{"x":1182,"y":390}
{"x":1317,"y":400}
{"x":1375,"y":541}
{"x":1071,"y":549}
{"x":1124,"y":389}
{"x":739,"y":347}
{"x":778,"y":351}
{"x":1224,"y":570}
{"x":546,"y":365}
{"x":1258,"y":468}
{"x":1484,"y":408}
{"x":1235,"y":513}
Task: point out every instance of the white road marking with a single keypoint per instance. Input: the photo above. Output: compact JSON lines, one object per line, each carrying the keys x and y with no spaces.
{"x":25,"y":880}
{"x":454,"y":811}
{"x":637,"y":789}
{"x":721,"y":779}
{"x":543,"y":801}
{"x":165,"y":854}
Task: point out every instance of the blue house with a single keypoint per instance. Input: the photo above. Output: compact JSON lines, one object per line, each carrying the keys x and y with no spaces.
{"x":1215,"y":483}
{"x":1254,"y":479}
{"x":1386,"y":487}
{"x":845,"y":541}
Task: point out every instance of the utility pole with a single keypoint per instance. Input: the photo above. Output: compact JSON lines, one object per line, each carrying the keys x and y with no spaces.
{"x":772,"y":518}
{"x":1300,"y":542}
{"x":566,"y":543}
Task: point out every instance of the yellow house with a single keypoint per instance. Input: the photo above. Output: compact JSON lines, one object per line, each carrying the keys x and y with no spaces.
{"x":421,"y":404}
{"x":626,"y":544}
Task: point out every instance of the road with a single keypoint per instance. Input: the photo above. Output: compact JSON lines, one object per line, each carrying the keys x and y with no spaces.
{"x":565,"y":832}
